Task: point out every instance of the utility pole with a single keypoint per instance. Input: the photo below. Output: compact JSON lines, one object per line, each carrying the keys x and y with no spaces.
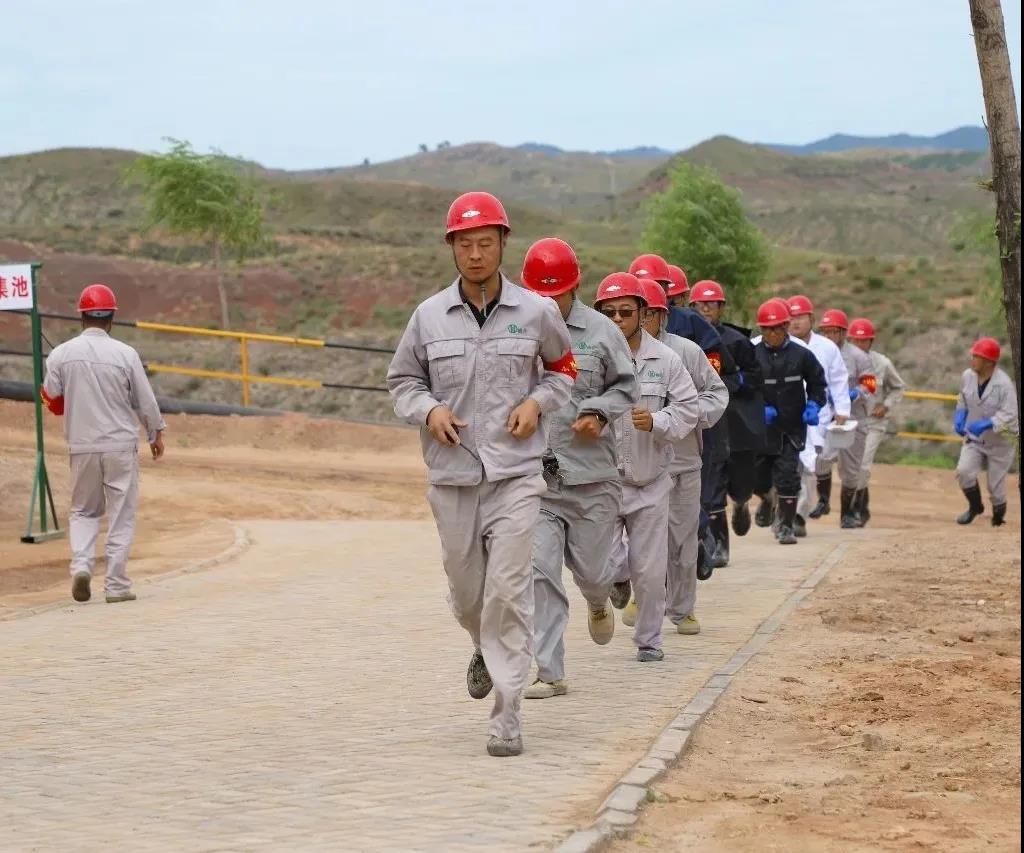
{"x":1004,"y":143}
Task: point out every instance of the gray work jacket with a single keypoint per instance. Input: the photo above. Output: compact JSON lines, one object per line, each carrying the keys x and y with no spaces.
{"x":481,"y":373}
{"x":668,"y":392}
{"x":998,"y":403}
{"x":106,"y":393}
{"x":712,"y":400}
{"x":858,"y":368}
{"x":889,"y":389}
{"x":605,"y":384}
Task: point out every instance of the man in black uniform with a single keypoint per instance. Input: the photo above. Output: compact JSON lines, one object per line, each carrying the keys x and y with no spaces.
{"x":788,"y":410}
{"x":744,"y":418}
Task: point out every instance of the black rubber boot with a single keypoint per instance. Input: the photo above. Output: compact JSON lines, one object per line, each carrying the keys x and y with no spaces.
{"x":765,"y":514}
{"x":740,"y":519}
{"x":823,"y":506}
{"x":787,"y":515}
{"x":998,"y":515}
{"x":862,"y":507}
{"x":858,"y":515}
{"x":720,"y":530}
{"x":799,"y":526}
{"x":847,"y":519}
{"x":974,"y":506}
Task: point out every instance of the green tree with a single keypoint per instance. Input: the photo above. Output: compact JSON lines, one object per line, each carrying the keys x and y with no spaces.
{"x":204,"y":196}
{"x":699,"y":224}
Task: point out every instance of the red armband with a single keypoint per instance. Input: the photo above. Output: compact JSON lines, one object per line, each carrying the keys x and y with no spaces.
{"x":54,"y":404}
{"x":716,"y":361}
{"x":869,"y":382}
{"x":566,"y":364}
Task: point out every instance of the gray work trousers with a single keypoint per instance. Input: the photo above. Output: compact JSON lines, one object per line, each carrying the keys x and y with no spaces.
{"x":996,"y":461}
{"x":104,"y":484}
{"x":640,"y":554}
{"x":575,"y":528}
{"x":486,"y":534}
{"x":683,"y":521}
{"x":871,"y":445}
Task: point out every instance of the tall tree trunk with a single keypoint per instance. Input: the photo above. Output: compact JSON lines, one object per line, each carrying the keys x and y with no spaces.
{"x":222,"y":293}
{"x":1004,"y":141}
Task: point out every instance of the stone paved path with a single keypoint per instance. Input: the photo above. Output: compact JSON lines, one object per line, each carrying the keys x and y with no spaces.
{"x":311,"y":695}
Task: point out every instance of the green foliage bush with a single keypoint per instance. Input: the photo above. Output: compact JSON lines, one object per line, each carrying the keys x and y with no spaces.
{"x":698,"y":223}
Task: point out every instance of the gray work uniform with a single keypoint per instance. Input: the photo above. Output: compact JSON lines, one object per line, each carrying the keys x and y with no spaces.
{"x":684,"y":496}
{"x":485,"y":493}
{"x":890,"y":387}
{"x":578,"y":512}
{"x":994,"y":450}
{"x":640,"y":546}
{"x":859,"y":370}
{"x":106,"y":397}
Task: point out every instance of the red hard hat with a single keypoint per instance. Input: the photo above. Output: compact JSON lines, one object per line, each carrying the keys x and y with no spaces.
{"x":550,"y":267}
{"x":679,"y":284}
{"x":654,"y":294}
{"x":97,"y":297}
{"x":620,"y":284}
{"x":986,"y":348}
{"x":833,"y":318}
{"x":475,"y":210}
{"x":799,"y":305}
{"x":708,"y":291}
{"x":774,"y":312}
{"x":862,"y":329}
{"x":651,"y":266}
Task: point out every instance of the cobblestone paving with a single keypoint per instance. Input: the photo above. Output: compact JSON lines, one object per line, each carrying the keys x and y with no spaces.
{"x":310,"y":695}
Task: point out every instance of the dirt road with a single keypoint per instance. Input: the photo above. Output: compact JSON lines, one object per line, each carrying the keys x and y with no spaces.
{"x":884,"y":716}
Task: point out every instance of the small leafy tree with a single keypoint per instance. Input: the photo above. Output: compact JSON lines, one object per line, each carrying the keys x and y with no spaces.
{"x":204,"y":196}
{"x":699,"y":224}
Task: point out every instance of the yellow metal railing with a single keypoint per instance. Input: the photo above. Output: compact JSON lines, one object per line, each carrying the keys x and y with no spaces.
{"x":246,"y":379}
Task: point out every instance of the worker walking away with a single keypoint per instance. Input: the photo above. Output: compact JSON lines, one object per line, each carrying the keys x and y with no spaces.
{"x":579,"y":509}
{"x":794,"y":393}
{"x":861,"y":386}
{"x":100,"y":387}
{"x":645,"y":439}
{"x":837,"y":409}
{"x":890,"y":388}
{"x":477,"y":366}
{"x":684,"y":498}
{"x":744,"y":418}
{"x":986,"y":417}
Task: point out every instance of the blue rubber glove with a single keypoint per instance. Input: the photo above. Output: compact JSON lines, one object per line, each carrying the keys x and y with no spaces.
{"x":770,"y":414}
{"x":854,"y":394}
{"x":811,"y":411}
{"x":740,"y":380}
{"x":960,"y":422}
{"x":976,"y":428}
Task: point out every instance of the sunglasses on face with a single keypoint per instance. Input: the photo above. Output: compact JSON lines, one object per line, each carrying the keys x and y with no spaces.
{"x":624,"y":313}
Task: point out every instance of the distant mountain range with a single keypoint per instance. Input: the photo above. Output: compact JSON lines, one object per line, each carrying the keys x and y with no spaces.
{"x":967,"y":138}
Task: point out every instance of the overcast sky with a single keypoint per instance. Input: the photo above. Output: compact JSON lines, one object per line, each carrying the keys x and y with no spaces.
{"x":310,"y":83}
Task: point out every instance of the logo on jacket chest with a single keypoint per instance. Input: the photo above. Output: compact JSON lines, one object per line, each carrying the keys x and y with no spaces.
{"x":651,"y":373}
{"x":514,"y":329}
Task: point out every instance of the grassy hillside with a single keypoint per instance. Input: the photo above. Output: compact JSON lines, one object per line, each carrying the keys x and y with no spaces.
{"x":560,"y":180}
{"x":871,"y":203}
{"x":351,"y":256}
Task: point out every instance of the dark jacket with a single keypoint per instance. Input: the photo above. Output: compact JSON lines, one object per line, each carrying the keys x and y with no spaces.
{"x":785,"y":371}
{"x":745,"y":415}
{"x":687,"y":323}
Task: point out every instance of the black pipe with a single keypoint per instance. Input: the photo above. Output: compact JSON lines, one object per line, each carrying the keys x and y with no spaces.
{"x":22,"y":391}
